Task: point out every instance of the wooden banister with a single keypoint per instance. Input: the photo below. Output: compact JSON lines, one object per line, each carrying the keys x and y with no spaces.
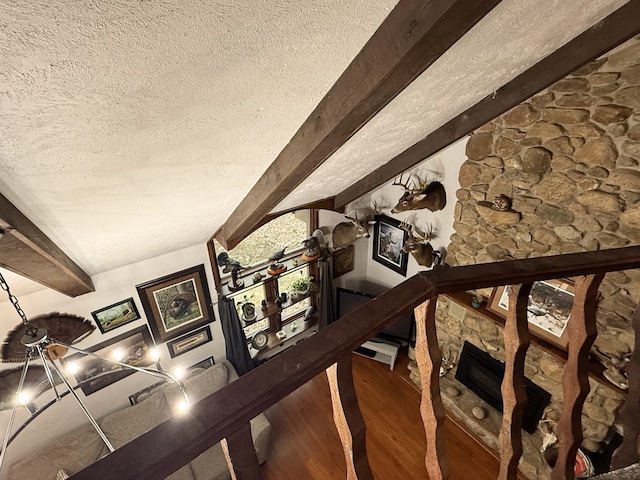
{"x":177,"y":441}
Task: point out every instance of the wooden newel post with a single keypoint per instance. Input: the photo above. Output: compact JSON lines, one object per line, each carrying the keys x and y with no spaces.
{"x":348,"y":419}
{"x":429,"y":359}
{"x":514,"y":397}
{"x":582,"y":334}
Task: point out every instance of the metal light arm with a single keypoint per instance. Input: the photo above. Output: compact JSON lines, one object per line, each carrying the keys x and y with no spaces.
{"x":155,"y":373}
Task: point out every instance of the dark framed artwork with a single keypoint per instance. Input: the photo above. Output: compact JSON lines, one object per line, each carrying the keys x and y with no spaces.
{"x":206,"y":363}
{"x":176,"y":304}
{"x":189,"y":341}
{"x":144,"y":393}
{"x":93,"y":373}
{"x":116,"y":315}
{"x":388,"y":239}
{"x":343,"y":261}
{"x":548,"y":311}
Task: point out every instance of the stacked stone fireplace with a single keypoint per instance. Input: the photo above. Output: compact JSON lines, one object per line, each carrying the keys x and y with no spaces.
{"x":568,"y":159}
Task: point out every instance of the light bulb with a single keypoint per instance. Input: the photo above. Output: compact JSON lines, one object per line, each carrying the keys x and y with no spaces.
{"x":183,"y":406}
{"x":24,"y":398}
{"x":178,"y":372}
{"x":118,"y":354}
{"x":72,"y":368}
{"x":154,"y":354}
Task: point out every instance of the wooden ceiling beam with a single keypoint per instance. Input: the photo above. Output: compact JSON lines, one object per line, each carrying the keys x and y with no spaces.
{"x":27,"y":251}
{"x":617,"y":28}
{"x":414,"y":35}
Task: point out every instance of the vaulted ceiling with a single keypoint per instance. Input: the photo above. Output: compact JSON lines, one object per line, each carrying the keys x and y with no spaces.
{"x":133,"y":129}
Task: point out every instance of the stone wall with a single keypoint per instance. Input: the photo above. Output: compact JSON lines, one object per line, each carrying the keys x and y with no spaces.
{"x":569,"y":159}
{"x":458,"y":324}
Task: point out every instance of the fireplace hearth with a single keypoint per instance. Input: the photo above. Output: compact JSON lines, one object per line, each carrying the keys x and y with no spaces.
{"x":482,"y":374}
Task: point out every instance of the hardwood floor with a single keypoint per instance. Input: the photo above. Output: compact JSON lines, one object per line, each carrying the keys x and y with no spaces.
{"x":305,"y":444}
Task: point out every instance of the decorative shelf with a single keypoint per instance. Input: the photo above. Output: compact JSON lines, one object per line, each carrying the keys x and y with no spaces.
{"x":276,"y":345}
{"x":596,"y":369}
{"x":247,"y":274}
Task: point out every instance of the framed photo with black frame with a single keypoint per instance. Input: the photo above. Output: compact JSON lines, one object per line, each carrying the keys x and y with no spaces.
{"x":388,"y":239}
{"x":94,"y":373}
{"x":189,"y":341}
{"x":548,"y":311}
{"x":116,"y":315}
{"x":176,"y":304}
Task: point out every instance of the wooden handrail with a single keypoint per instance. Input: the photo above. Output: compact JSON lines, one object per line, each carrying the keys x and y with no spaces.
{"x":179,"y":440}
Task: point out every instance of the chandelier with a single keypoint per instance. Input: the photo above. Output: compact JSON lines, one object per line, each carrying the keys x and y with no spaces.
{"x":47,"y":340}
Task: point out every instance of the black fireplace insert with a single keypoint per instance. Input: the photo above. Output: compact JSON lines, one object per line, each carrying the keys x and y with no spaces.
{"x":483,"y":374}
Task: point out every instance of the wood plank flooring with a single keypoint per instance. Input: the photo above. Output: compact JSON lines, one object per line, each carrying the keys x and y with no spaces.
{"x":305,"y":444}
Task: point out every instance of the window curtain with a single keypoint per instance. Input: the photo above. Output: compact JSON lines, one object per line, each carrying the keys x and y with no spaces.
{"x":235,"y":340}
{"x":325,"y":312}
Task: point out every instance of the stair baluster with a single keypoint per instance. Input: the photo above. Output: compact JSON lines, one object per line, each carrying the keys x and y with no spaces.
{"x":627,"y":454}
{"x":575,"y":379}
{"x":429,"y":359}
{"x":348,"y":419}
{"x":514,"y":397}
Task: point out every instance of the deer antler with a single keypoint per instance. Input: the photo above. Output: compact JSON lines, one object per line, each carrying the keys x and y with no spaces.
{"x":422,"y":184}
{"x":352,"y":218}
{"x":406,"y":226}
{"x":403,"y":185}
{"x":425,"y":237}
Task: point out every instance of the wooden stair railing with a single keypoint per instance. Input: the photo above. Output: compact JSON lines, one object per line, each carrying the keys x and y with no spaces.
{"x":226,"y":413}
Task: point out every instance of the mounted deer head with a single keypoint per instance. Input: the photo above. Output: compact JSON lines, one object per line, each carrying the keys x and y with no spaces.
{"x":430,"y":195}
{"x":346,"y":233}
{"x":418,"y":245}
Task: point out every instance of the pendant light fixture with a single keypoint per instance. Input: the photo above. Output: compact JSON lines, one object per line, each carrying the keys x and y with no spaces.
{"x":47,"y":338}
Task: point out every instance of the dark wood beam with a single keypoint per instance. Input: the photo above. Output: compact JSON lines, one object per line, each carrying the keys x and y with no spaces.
{"x":412,"y":37}
{"x":27,"y":251}
{"x":594,"y":42}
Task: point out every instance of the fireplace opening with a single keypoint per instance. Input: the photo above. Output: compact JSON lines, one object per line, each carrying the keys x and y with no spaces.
{"x":483,"y":375}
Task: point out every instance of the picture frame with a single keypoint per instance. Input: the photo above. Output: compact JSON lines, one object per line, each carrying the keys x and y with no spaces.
{"x":388,"y":239}
{"x":189,"y":341}
{"x":93,"y":373}
{"x":343,"y":261}
{"x":116,"y":315}
{"x":206,"y":363}
{"x":144,"y":393}
{"x":177,"y":303}
{"x":548,"y":312}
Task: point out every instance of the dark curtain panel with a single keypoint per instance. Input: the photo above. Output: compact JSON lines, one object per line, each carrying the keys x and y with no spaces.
{"x":234,"y":338}
{"x":326,"y":315}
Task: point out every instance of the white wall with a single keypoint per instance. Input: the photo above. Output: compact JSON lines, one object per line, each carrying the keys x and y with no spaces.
{"x":111,"y":287}
{"x":367,"y":273}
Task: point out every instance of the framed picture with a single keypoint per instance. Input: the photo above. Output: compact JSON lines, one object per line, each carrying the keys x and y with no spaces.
{"x":388,"y":239}
{"x":189,"y":341}
{"x":95,"y":373}
{"x":176,"y":304}
{"x":343,"y":260}
{"x":144,"y":393}
{"x":548,"y":312}
{"x":116,"y":315}
{"x":206,"y":363}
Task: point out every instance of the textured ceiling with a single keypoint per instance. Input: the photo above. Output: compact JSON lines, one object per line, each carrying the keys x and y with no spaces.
{"x":132,"y":129}
{"x":511,"y":38}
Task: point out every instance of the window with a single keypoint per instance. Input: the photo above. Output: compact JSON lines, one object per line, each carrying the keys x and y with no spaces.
{"x":288,"y":230}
